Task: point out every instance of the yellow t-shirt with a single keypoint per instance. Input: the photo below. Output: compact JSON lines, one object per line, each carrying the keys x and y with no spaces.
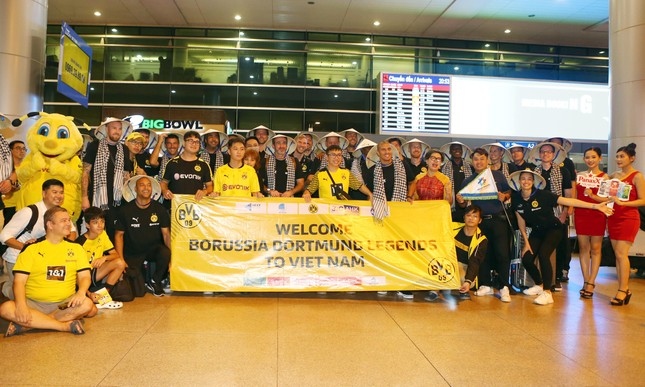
{"x":236,"y":182}
{"x":52,"y":269}
{"x":341,"y":176}
{"x":98,"y":247}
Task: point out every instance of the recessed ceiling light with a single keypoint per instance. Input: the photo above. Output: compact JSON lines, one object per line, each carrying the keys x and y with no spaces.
{"x":241,"y":33}
{"x":91,"y":89}
{"x":115,"y":30}
{"x":255,"y":93}
{"x":335,"y":95}
{"x":139,"y":56}
{"x":173,"y":91}
{"x":507,"y":31}
{"x":376,"y":23}
{"x":367,"y":39}
{"x":456,"y":68}
{"x":97,"y":13}
{"x":487,"y":45}
{"x":354,"y":63}
{"x":238,"y":17}
{"x":247,"y":58}
{"x":601,"y":52}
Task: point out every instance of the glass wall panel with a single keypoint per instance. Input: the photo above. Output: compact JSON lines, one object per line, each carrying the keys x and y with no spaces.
{"x":208,"y":95}
{"x":142,"y":64}
{"x":212,"y":61}
{"x":337,"y":99}
{"x":249,"y":119}
{"x":91,"y":115}
{"x":272,"y":67}
{"x":287,"y":121}
{"x":137,"y":93}
{"x":338,"y":70}
{"x":271,"y":97}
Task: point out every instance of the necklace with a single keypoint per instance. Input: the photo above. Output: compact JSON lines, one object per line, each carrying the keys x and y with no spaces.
{"x":143,"y":205}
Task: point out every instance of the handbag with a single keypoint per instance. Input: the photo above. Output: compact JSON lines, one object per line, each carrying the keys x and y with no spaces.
{"x":122,"y":291}
{"x":135,"y":277}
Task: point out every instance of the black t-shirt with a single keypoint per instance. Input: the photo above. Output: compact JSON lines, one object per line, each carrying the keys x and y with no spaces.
{"x":512,"y":167}
{"x":281,"y":174}
{"x":462,"y":255}
{"x":388,"y":180}
{"x":458,"y":175}
{"x":90,"y":158}
{"x":537,"y":211}
{"x":186,"y":177}
{"x":213,"y":159}
{"x":566,"y":179}
{"x":142,"y":226}
{"x":416,"y":169}
{"x":143,"y":161}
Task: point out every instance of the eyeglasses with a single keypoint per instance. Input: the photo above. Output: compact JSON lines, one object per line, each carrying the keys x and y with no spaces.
{"x":192,"y":141}
{"x":335,"y":155}
{"x":432,"y":158}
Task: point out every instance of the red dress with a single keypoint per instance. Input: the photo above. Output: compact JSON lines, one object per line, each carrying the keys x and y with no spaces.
{"x":623,"y":225}
{"x":587,"y":221}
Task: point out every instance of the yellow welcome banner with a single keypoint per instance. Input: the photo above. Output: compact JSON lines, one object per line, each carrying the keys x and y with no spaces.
{"x":285,"y":244}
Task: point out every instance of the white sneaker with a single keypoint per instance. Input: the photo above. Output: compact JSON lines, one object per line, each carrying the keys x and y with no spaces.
{"x":382,"y":293}
{"x":484,"y":291}
{"x":406,"y":295}
{"x":505,"y":294}
{"x":533,"y":290}
{"x":544,"y":298}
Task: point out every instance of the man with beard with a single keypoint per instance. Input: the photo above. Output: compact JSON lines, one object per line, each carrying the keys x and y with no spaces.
{"x":173,"y":146}
{"x":285,"y":178}
{"x":105,"y":169}
{"x":212,"y":154}
{"x":302,"y":153}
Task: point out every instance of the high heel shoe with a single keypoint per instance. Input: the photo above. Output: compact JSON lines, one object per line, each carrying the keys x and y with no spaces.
{"x":618,"y":302}
{"x":585,"y":293}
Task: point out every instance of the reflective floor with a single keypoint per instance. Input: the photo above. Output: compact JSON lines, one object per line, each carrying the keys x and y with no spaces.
{"x":342,"y":340}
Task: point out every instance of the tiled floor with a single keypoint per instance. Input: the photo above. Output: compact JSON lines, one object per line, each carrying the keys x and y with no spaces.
{"x":344,"y":340}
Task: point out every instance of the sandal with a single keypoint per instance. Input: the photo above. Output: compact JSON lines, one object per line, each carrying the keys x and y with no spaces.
{"x":13,"y":329}
{"x":618,"y":302}
{"x":76,"y":327}
{"x":585,"y":293}
{"x":110,"y":305}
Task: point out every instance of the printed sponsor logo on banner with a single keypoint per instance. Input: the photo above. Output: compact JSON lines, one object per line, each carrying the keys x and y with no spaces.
{"x":343,"y":209}
{"x":283,"y":208}
{"x":313,"y":208}
{"x":253,"y":208}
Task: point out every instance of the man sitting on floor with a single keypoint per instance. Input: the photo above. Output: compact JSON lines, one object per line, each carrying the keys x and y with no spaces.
{"x":45,"y":278}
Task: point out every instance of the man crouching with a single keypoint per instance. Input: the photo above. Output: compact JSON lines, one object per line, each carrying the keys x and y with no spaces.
{"x":45,"y":278}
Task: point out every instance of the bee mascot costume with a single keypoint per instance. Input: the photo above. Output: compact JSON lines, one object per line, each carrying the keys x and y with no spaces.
{"x":53,"y":141}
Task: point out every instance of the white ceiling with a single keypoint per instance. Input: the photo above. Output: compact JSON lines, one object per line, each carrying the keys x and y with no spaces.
{"x":557,"y":22}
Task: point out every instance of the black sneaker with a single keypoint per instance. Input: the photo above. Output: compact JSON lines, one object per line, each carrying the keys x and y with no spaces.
{"x":557,"y":287}
{"x":565,"y":276}
{"x":155,"y":289}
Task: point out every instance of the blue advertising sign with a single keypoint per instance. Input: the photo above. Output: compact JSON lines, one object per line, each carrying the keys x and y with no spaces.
{"x":74,"y":67}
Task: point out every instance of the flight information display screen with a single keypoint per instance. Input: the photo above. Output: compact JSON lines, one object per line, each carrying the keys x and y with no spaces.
{"x":414,"y":103}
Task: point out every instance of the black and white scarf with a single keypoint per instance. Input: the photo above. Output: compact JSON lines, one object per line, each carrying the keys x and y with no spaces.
{"x":555,"y":178}
{"x":100,"y":169}
{"x":379,"y":198}
{"x":6,"y":165}
{"x":219,"y":159}
{"x":356,"y":169}
{"x":323,"y":163}
{"x":291,"y":172}
{"x":447,"y":170}
{"x":504,"y":169}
